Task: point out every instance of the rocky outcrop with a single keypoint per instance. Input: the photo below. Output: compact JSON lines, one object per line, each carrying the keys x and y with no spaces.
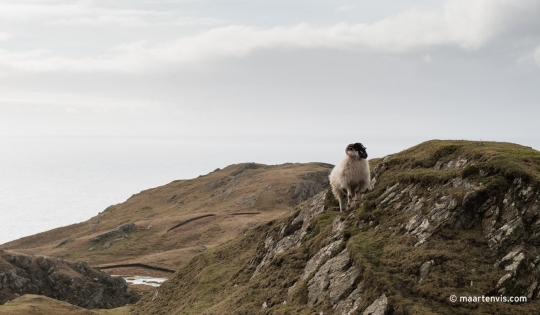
{"x":310,"y":185}
{"x":332,"y":280}
{"x":510,"y":221}
{"x":330,"y":276}
{"x":378,"y":307}
{"x":291,"y":235}
{"x":117,"y":231}
{"x":75,"y":283}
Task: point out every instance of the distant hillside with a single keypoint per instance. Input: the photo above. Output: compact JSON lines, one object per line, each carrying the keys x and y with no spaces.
{"x":444,"y":218}
{"x":165,"y":227}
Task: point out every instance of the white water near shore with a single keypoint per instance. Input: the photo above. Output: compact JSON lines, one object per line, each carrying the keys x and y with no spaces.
{"x":151,"y":281}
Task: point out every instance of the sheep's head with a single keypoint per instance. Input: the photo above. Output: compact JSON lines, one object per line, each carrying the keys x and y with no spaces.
{"x":357,"y":149}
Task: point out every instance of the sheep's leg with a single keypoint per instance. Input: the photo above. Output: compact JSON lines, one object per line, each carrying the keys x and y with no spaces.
{"x":339,"y":196}
{"x":356,"y":196}
{"x":359,"y":191}
{"x":341,"y":202}
{"x":349,"y":197}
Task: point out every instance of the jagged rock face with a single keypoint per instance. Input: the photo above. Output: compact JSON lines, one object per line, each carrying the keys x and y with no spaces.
{"x":331,"y":276}
{"x":310,"y":184}
{"x":378,"y":307}
{"x":293,"y":234}
{"x":332,"y":280}
{"x":75,"y":283}
{"x":509,"y":222}
{"x":315,"y":262}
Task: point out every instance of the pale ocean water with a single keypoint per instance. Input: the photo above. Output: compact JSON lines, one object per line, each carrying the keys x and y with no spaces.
{"x":48,"y":182}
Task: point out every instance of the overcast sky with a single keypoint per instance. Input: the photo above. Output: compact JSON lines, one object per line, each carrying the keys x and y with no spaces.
{"x":368,"y":71}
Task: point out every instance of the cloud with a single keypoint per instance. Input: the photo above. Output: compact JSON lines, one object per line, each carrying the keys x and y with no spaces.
{"x":473,"y":23}
{"x":71,"y":110}
{"x":345,"y":8}
{"x":107,"y":17}
{"x":70,"y":101}
{"x":24,"y":12}
{"x":536,"y":55}
{"x":4,"y":37}
{"x":79,"y":13}
{"x":86,"y":14}
{"x":194,"y":21}
{"x":427,"y":58}
{"x":103,"y":20}
{"x":43,"y":60}
{"x":171,"y":1}
{"x":466,"y":24}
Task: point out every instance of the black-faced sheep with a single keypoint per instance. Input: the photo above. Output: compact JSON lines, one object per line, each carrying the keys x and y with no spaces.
{"x":351,"y":175}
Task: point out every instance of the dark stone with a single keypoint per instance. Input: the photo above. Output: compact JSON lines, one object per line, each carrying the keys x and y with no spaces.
{"x":125,"y":228}
{"x":75,"y":283}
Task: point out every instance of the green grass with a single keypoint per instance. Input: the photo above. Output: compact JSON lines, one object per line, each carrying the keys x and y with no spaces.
{"x":506,"y":157}
{"x":368,"y":246}
{"x":325,"y":219}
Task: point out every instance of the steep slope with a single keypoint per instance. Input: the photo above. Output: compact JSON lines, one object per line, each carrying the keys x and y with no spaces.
{"x":166,"y":226}
{"x":444,"y":218}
